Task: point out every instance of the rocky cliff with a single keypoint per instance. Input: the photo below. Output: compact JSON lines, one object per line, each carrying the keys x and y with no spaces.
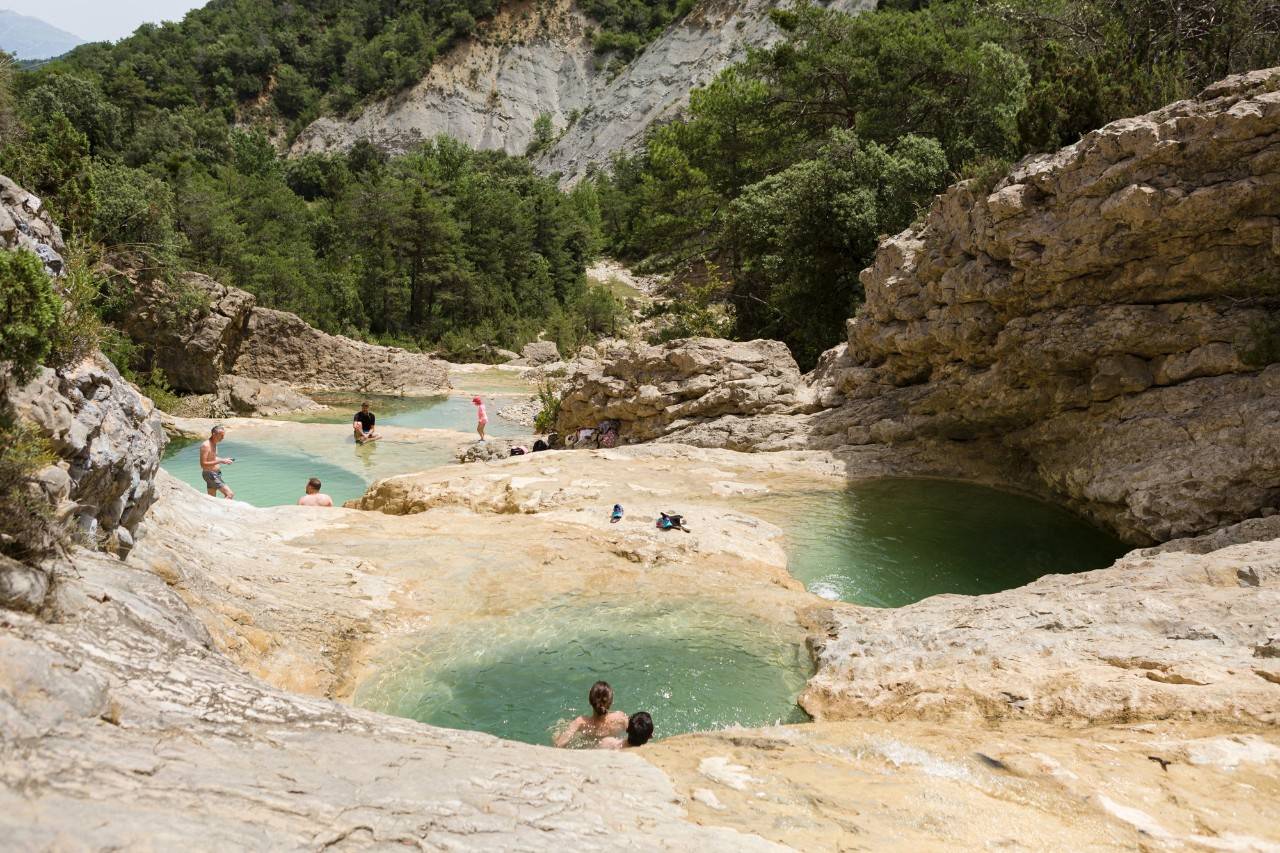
{"x":106,"y":436}
{"x":235,"y":336}
{"x":1107,"y":315}
{"x":537,"y":59}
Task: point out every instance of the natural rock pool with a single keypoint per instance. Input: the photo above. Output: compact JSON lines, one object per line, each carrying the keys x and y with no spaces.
{"x":888,"y":543}
{"x":273,"y":465}
{"x":695,"y":666}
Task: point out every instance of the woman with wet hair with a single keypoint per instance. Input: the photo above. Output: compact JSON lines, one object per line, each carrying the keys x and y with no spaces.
{"x":603,"y":721}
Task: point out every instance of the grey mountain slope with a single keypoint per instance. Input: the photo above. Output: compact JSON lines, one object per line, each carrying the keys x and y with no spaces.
{"x":31,"y":38}
{"x":535,"y":59}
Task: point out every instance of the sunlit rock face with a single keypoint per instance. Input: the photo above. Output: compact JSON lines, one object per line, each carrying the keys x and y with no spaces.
{"x":1106,"y":312}
{"x":234,"y":336}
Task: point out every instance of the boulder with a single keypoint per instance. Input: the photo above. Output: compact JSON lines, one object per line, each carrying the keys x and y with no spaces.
{"x":245,"y":397}
{"x":538,"y":353}
{"x":195,"y":349}
{"x":109,"y":441}
{"x":236,"y":336}
{"x":485,"y":451}
{"x":25,"y":224}
{"x":659,"y":390}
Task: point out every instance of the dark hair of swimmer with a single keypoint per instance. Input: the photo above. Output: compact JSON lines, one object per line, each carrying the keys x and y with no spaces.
{"x":639,"y":728}
{"x":601,"y":698}
{"x":314,"y":483}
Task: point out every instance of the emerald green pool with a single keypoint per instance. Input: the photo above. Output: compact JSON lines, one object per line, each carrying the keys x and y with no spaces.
{"x":694,"y":666}
{"x":888,"y":543}
{"x":446,"y":411}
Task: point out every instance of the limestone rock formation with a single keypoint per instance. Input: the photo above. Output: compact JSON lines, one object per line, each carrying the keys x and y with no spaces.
{"x":680,"y":386}
{"x":538,"y":59}
{"x":236,"y":336}
{"x":109,"y":441}
{"x":245,"y":397}
{"x":124,"y":727}
{"x":192,"y":351}
{"x":1156,"y":636}
{"x":25,"y":224}
{"x":1108,"y":313}
{"x":538,"y":353}
{"x":107,"y":437}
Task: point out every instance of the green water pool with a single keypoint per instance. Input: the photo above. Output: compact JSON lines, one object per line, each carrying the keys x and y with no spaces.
{"x":888,"y":543}
{"x":446,"y":411}
{"x":694,"y":666}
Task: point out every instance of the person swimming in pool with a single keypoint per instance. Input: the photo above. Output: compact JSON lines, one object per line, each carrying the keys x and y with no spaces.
{"x":362,"y":425}
{"x":314,"y":497}
{"x":211,"y":464}
{"x":639,"y":730}
{"x":602,"y":723}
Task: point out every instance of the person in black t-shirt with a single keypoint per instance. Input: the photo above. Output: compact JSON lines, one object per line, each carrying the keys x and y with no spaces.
{"x":363,"y":423}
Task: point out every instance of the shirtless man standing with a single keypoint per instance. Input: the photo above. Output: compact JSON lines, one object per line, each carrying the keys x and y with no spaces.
{"x":314,"y":497}
{"x":362,"y":425}
{"x":210,"y":464}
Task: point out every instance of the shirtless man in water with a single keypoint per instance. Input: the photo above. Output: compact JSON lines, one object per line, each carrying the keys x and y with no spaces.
{"x":601,"y":723}
{"x":314,"y":497}
{"x":210,"y":464}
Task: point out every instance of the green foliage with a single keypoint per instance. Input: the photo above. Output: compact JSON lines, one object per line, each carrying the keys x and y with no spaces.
{"x":155,"y":385}
{"x":549,"y":399}
{"x":27,"y":525}
{"x":544,"y":135}
{"x":626,"y":26}
{"x":29,"y":309}
{"x":132,"y":209}
{"x":702,"y":312}
{"x":787,"y":168}
{"x":793,"y":234}
{"x":79,"y":330}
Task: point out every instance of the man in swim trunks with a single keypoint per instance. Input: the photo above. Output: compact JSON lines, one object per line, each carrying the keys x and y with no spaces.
{"x":314,"y":497}
{"x":363,"y":423}
{"x":210,"y":464}
{"x":639,"y":730}
{"x":602,"y":721}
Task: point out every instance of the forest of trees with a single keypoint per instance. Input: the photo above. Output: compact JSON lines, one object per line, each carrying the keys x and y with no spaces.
{"x":768,"y":195}
{"x":775,"y":186}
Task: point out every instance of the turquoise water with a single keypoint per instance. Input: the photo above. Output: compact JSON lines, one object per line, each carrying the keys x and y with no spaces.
{"x":271,"y":469}
{"x":887,"y":543}
{"x":693,"y":665}
{"x":447,"y":411}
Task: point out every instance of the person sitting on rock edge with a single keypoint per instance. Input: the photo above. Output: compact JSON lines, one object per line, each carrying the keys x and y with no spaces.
{"x":314,"y":497}
{"x":601,"y":723}
{"x":363,"y":423}
{"x":639,"y":730}
{"x":210,"y":464}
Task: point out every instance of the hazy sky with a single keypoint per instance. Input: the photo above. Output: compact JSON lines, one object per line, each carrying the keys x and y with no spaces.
{"x":102,"y":20}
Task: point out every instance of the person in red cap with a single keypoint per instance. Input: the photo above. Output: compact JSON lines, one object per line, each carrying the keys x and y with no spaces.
{"x":481,"y":418}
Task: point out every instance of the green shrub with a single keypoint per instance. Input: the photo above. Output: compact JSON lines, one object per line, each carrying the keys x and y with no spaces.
{"x":27,"y":525}
{"x":156,"y":385}
{"x":80,"y":330}
{"x":549,"y":397}
{"x":29,"y":309}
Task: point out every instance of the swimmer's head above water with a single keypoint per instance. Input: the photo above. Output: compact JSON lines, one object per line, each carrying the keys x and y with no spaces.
{"x":639,"y":728}
{"x":601,"y":698}
{"x":313,"y":485}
